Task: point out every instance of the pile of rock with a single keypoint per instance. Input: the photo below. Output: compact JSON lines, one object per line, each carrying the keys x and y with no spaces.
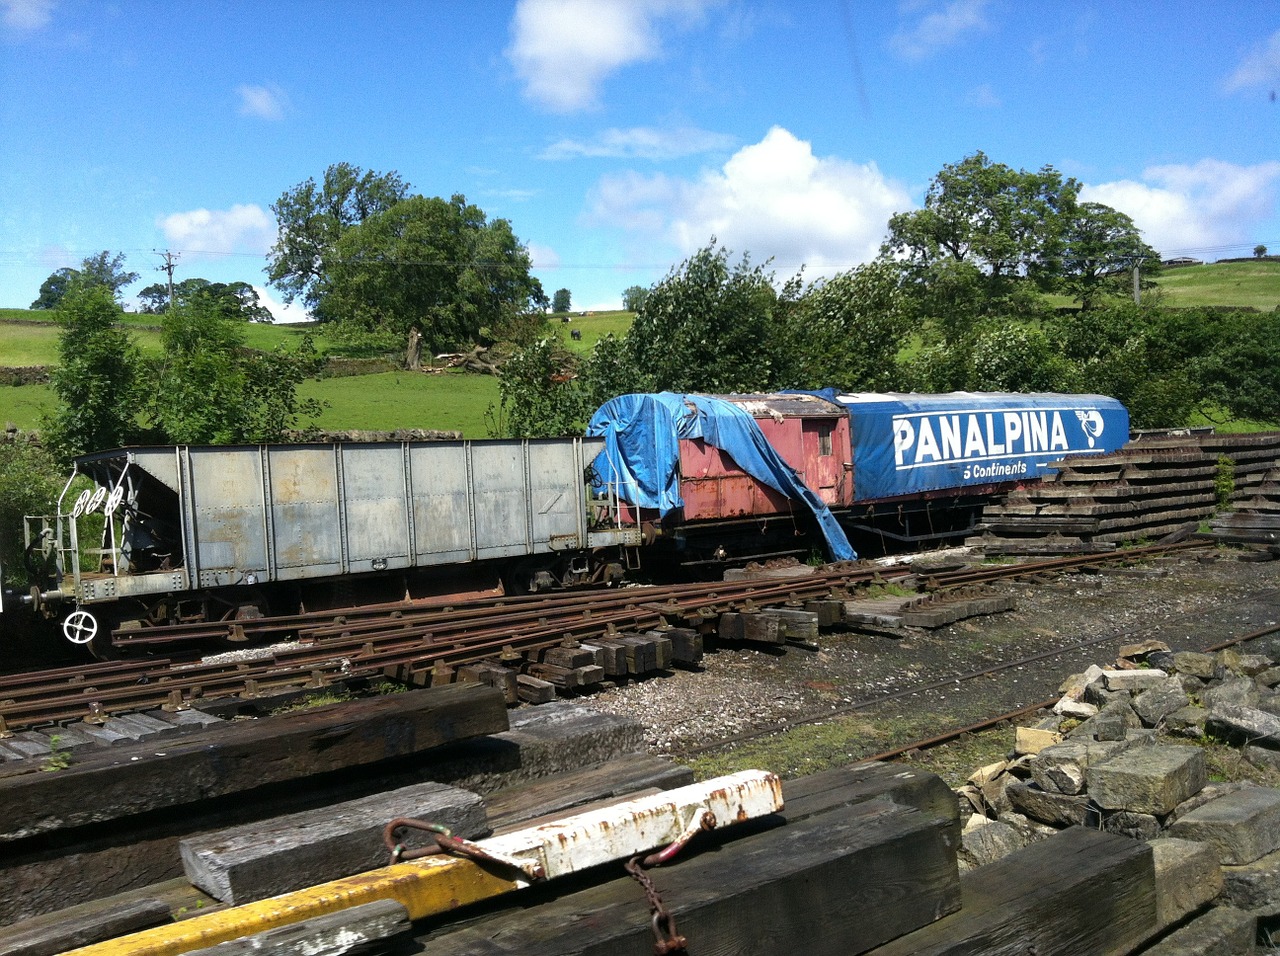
{"x":1120,"y":754}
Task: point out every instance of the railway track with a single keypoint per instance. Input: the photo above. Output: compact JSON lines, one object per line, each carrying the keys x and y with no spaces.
{"x":427,"y":645}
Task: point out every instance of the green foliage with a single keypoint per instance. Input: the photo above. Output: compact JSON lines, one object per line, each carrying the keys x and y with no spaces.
{"x":540,"y":395}
{"x":633,"y":297}
{"x":844,"y":332}
{"x":1006,"y":223}
{"x":30,"y":480}
{"x":209,"y":389}
{"x":238,"y":300}
{"x":59,"y":757}
{"x":311,"y":219}
{"x":1224,"y":481}
{"x":96,"y":376}
{"x":707,"y":327}
{"x":429,"y":264}
{"x":102,"y":269}
{"x":1101,"y":246}
{"x":560,"y":302}
{"x":1239,"y":370}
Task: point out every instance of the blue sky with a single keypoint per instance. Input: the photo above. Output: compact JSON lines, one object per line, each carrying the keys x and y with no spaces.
{"x":618,"y":136}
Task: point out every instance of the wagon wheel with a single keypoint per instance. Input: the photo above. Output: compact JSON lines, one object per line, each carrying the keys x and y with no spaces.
{"x":80,"y":627}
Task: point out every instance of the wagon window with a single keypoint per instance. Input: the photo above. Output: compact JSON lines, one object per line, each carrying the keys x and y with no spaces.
{"x":824,"y":437}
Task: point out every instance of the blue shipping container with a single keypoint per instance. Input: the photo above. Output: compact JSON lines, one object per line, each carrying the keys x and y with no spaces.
{"x":905,"y":443}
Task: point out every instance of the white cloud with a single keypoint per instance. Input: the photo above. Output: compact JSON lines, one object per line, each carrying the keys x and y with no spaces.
{"x":26,"y":16}
{"x":543,"y":257}
{"x":939,"y":29}
{"x":1259,"y":68}
{"x":1185,"y":208}
{"x":983,"y":97}
{"x":264,"y":102}
{"x":563,"y":50}
{"x":641,"y":142}
{"x":773,"y":199}
{"x":240,"y":229}
{"x":283,"y":314}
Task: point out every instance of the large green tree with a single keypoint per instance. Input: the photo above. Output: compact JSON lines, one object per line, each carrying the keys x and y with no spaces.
{"x":438,"y":267}
{"x":1101,"y":247}
{"x":1006,"y":223}
{"x":101,"y":269}
{"x":238,"y":299}
{"x":312,"y":217}
{"x":845,"y":332}
{"x":709,"y":326}
{"x":96,"y":378}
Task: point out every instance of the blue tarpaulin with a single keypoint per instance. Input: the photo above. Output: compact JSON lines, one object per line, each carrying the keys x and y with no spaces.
{"x":641,"y":457}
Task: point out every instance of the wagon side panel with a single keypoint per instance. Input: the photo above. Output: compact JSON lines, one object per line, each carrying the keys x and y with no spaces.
{"x":374,"y":499}
{"x":225,"y":508}
{"x":305,"y":510}
{"x":440,"y":502}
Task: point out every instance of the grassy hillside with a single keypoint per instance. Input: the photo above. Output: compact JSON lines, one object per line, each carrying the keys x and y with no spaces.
{"x":452,"y":401}
{"x":1255,"y":283}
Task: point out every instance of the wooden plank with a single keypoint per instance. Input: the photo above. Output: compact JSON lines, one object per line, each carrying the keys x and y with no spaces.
{"x":366,"y":930}
{"x":240,"y":757}
{"x":572,"y":789}
{"x":686,"y":645}
{"x":253,"y":861}
{"x":612,"y":657}
{"x":81,"y":925}
{"x":533,"y":690}
{"x":841,"y":882}
{"x":503,"y":678}
{"x":569,"y":657}
{"x":1078,"y":891}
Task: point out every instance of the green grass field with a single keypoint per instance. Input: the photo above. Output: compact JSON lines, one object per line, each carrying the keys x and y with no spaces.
{"x":1255,"y":284}
{"x":448,"y":401}
{"x":25,"y":404}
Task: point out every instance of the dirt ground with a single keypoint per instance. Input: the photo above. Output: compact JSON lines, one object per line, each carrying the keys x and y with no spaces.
{"x":810,"y":699}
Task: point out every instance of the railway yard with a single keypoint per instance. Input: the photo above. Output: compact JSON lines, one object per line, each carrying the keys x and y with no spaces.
{"x":921,"y":650}
{"x":970,"y":749}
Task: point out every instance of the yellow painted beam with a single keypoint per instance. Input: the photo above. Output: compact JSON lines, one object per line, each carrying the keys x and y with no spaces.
{"x":423,"y":887}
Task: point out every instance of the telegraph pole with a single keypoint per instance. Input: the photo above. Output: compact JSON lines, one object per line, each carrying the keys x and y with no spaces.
{"x":170,"y":259}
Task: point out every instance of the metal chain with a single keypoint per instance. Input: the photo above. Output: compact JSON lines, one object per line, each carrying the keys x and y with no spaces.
{"x":665,"y":938}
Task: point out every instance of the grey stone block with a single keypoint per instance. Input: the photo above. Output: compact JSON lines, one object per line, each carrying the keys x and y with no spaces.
{"x":1136,"y":680}
{"x":1113,"y":722}
{"x":1237,"y":691}
{"x":1186,"y":722}
{"x":1187,"y":877}
{"x":1222,"y":931}
{"x":1194,"y":664}
{"x":1061,"y":768}
{"x":986,"y":843}
{"x":1254,"y":886}
{"x":1242,"y":826}
{"x":1155,"y":704}
{"x":1047,"y":806}
{"x":1136,"y":826}
{"x":1240,"y":724}
{"x":1152,"y":779}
